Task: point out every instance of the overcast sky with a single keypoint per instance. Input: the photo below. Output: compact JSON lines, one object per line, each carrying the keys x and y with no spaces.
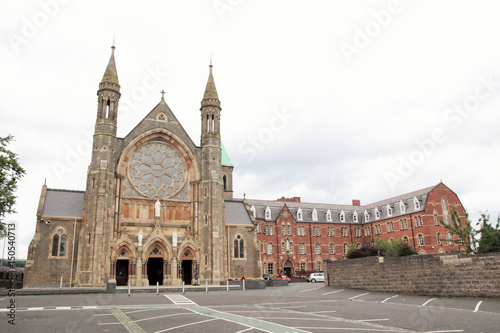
{"x":327,"y":100}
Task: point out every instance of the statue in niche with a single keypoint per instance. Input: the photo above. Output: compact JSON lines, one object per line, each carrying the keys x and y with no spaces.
{"x":174,"y":239}
{"x":157,"y":208}
{"x":140,"y":237}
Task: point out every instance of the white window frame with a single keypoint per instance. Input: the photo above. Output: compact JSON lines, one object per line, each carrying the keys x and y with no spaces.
{"x":268,"y":213}
{"x":389,"y":210}
{"x":329,"y":216}
{"x":421,"y":240}
{"x":254,"y":211}
{"x":332,"y":248}
{"x":355,"y":216}
{"x":342,"y":216}
{"x":416,"y":203}
{"x":300,"y":216}
{"x":367,"y":216}
{"x":315,"y":215}
{"x":402,"y":207}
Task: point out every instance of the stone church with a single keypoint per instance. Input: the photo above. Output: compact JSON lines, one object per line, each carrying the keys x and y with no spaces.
{"x":157,"y":208}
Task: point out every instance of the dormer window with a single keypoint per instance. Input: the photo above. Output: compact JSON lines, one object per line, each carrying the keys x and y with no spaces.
{"x":377,"y":213}
{"x":355,"y":216}
{"x":268,"y":213}
{"x":254,"y":211}
{"x":367,"y":216}
{"x":315,"y":215}
{"x":342,"y":216}
{"x":416,"y":203}
{"x":329,"y":216}
{"x":299,"y":214}
{"x":389,"y":210}
{"x":402,"y":207}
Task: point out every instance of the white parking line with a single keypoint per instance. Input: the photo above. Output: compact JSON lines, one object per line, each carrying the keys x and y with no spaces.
{"x":291,"y":307}
{"x":388,"y":298}
{"x":180,"y":300}
{"x":332,"y":292}
{"x":428,"y":301}
{"x":35,"y":309}
{"x":303,"y":291}
{"x":385,"y":319}
{"x":477,"y":306}
{"x":444,"y":331}
{"x":352,"y":298}
{"x":322,"y":312}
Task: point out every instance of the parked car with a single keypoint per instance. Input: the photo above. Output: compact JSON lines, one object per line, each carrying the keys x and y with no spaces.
{"x":267,"y":277}
{"x":320,"y":277}
{"x":284,"y":277}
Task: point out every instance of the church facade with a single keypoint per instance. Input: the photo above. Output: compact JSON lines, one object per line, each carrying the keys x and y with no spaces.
{"x":157,"y":208}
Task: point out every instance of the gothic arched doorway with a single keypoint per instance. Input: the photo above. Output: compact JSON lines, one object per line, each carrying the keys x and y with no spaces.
{"x":122,"y":265}
{"x":188,"y":267}
{"x":122,"y":272}
{"x":288,"y":268}
{"x":156,"y":266}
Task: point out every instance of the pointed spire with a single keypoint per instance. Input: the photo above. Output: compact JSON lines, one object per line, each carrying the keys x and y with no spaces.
{"x":210,"y":97}
{"x":111,"y":75}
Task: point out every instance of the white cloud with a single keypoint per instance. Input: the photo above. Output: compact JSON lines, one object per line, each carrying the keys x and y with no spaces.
{"x":352,"y":121}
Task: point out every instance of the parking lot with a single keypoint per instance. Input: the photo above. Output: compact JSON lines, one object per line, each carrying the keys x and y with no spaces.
{"x":300,"y":307}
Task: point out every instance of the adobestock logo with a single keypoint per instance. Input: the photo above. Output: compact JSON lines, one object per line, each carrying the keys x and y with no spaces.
{"x":258,"y":142}
{"x":453,"y":116}
{"x":30,"y":27}
{"x":77,"y":154}
{"x":363,"y":37}
{"x":224,"y":6}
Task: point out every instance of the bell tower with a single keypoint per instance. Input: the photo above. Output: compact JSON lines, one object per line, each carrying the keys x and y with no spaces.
{"x":212,"y":189}
{"x":97,"y":228}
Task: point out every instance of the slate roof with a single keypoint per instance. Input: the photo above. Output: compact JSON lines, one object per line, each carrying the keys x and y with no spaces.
{"x":63,"y":203}
{"x":236,"y":213}
{"x":349,"y":210}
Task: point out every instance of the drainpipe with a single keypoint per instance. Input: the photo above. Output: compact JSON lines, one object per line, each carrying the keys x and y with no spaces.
{"x":310,"y":241}
{"x":413,"y":234}
{"x":72,"y":256}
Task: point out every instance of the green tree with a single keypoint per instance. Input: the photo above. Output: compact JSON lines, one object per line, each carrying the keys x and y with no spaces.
{"x":395,"y":247}
{"x":10,"y":173}
{"x":465,"y":231}
{"x":490,"y":236}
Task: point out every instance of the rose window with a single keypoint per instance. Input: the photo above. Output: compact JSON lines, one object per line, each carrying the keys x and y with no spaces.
{"x":157,"y":170}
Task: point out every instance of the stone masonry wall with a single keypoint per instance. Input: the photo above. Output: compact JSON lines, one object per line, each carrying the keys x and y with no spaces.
{"x":431,"y":275}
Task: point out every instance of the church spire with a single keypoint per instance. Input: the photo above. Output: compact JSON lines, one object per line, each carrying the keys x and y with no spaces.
{"x":210,"y":98}
{"x":108,"y":96}
{"x":110,"y":78}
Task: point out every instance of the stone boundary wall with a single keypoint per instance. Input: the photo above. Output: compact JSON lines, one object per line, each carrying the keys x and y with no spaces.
{"x":455,"y":275}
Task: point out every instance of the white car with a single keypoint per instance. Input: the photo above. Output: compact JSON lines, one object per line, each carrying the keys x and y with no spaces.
{"x":320,"y":277}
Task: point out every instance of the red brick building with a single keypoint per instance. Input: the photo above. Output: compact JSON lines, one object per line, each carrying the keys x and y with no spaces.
{"x":294,"y":236}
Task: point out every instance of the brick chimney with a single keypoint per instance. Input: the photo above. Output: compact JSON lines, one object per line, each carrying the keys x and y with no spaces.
{"x":294,"y":199}
{"x":356,"y":202}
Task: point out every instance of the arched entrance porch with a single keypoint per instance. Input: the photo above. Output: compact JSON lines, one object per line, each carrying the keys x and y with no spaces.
{"x":288,"y":268}
{"x":156,"y":266}
{"x":123,"y":263}
{"x":188,"y":266}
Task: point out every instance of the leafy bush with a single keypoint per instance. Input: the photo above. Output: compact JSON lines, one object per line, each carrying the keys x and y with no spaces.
{"x":382,"y":247}
{"x":367,"y":250}
{"x":395,"y":247}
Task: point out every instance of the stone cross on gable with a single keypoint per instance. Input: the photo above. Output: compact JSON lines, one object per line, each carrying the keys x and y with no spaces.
{"x":163,"y":94}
